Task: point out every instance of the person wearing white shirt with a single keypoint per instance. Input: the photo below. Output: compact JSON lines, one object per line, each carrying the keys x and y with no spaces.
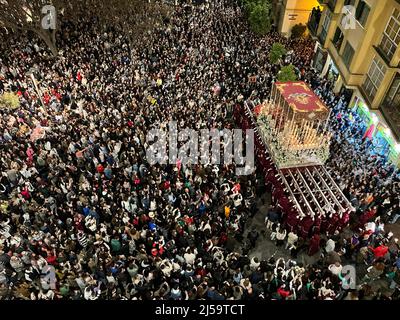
{"x":189,"y":257}
{"x":280,"y":236}
{"x":291,"y":241}
{"x":254,"y":263}
{"x":336,"y":268}
{"x":330,"y":246}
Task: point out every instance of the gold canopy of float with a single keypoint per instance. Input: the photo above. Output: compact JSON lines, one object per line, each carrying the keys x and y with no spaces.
{"x":294,"y":123}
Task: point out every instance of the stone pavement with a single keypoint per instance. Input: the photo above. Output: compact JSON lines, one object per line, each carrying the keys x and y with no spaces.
{"x":265,"y":248}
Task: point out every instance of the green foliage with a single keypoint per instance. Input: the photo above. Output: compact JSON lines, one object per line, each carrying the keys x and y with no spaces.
{"x":276,"y":53}
{"x":287,"y":73}
{"x":298,"y":30}
{"x":9,"y":100}
{"x":259,"y":15}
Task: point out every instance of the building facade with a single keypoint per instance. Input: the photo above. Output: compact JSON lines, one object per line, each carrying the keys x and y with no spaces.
{"x":358,"y":48}
{"x":288,"y":13}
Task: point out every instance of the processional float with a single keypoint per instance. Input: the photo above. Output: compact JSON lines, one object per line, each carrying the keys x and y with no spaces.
{"x":292,"y":145}
{"x":294,"y":124}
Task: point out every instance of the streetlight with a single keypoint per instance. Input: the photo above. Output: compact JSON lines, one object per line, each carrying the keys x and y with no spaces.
{"x":31,"y":73}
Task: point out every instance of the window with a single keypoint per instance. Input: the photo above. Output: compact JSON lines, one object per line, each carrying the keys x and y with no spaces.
{"x":332,"y":5}
{"x":338,"y":38}
{"x":348,"y":54}
{"x":325,"y":26}
{"x":327,"y":21}
{"x":374,"y":78}
{"x":362,"y":12}
{"x":391,"y":106}
{"x":349,"y":2}
{"x":391,"y":35}
{"x":393,"y":96}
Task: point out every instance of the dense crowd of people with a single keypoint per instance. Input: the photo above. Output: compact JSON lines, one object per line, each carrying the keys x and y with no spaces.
{"x":84,"y":216}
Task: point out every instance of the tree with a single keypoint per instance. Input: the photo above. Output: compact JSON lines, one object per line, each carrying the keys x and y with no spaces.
{"x":287,"y":73}
{"x":277,"y":51}
{"x":133,"y":17}
{"x":259,"y":15}
{"x":32,"y":15}
{"x":298,"y":30}
{"x":9,"y":100}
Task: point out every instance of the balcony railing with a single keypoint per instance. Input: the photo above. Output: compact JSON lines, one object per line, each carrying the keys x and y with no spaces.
{"x":313,"y":21}
{"x":366,"y":93}
{"x":387,"y":48}
{"x":322,"y":36}
{"x":331,"y":5}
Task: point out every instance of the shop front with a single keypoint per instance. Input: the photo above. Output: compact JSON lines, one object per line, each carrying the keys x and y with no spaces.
{"x":376,"y":130}
{"x":367,"y":118}
{"x":320,"y":59}
{"x":333,"y":72}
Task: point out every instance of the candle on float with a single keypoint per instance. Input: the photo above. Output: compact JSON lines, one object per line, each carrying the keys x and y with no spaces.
{"x":315,"y":137}
{"x":310,"y":132}
{"x":289,"y":128}
{"x":311,"y":135}
{"x":304,"y":129}
{"x":298,"y":138}
{"x":293,"y":129}
{"x":310,"y":129}
{"x":306,"y":132}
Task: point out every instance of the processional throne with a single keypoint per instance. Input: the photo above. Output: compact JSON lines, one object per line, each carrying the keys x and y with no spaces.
{"x":294,"y":123}
{"x":292,"y":127}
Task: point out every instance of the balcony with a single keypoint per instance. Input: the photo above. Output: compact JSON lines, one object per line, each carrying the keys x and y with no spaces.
{"x":390,"y":108}
{"x":331,"y":5}
{"x":365,"y":94}
{"x":313,"y":21}
{"x":322,"y":37}
{"x":391,"y":114}
{"x":386,"y":49}
{"x":383,"y":55}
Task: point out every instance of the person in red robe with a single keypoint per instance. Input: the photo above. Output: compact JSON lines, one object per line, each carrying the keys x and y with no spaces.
{"x":305,"y":225}
{"x":344,"y":220}
{"x":324,"y":223}
{"x":314,"y":245}
{"x":365,"y":217}
{"x":277,"y":193}
{"x":333,"y":223}
{"x":284,"y":203}
{"x":317,"y":225}
{"x":291,"y":221}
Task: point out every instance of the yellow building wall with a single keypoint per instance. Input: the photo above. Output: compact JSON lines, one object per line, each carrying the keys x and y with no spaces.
{"x":363,"y":40}
{"x":296,"y":11}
